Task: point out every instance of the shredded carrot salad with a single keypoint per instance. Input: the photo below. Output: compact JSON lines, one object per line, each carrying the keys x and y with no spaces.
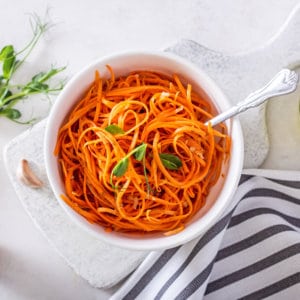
{"x":135,"y":154}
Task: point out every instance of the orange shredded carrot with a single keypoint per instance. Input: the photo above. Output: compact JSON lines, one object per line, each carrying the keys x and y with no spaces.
{"x":152,"y":109}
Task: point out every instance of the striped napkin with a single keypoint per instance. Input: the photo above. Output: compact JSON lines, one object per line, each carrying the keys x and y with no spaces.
{"x":252,"y":252}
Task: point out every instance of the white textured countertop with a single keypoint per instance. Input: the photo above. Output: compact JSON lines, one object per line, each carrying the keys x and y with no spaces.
{"x":85,"y":30}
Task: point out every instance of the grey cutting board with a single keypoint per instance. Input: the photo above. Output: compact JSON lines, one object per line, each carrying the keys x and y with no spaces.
{"x":103,"y":265}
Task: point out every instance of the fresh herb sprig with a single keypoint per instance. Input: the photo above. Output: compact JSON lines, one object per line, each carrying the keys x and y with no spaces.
{"x":170,"y":161}
{"x":121,"y":167}
{"x":114,"y":129}
{"x":11,"y":61}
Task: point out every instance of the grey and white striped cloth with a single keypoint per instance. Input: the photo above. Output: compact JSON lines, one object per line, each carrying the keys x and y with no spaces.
{"x":252,"y":252}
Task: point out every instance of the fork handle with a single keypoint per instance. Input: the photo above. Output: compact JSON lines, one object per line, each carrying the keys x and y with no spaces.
{"x":282,"y":83}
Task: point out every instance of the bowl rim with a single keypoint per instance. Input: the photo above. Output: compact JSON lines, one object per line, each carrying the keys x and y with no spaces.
{"x":191,"y":231}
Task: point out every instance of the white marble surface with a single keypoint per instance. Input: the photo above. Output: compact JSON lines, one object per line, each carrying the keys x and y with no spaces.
{"x":29,"y":267}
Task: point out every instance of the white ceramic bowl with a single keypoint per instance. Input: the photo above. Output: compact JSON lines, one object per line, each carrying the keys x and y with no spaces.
{"x":219,"y":197}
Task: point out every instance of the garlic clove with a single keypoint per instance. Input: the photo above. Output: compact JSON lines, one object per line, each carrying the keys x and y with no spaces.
{"x":27,"y":176}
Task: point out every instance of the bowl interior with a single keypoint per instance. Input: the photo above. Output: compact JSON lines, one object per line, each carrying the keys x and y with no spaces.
{"x":219,"y":195}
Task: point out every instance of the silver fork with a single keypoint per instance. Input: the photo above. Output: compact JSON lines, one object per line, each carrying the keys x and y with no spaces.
{"x":282,"y":83}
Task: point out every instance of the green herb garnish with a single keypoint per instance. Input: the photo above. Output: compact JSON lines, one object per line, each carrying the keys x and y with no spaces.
{"x":140,"y":152}
{"x":140,"y":155}
{"x":11,"y":60}
{"x":121,"y":167}
{"x":114,"y":129}
{"x":170,"y":161}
